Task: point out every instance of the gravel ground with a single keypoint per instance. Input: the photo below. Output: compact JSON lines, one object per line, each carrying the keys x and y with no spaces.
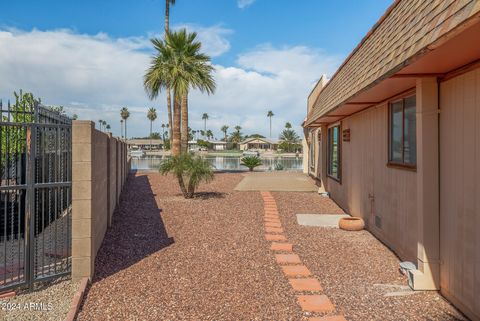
{"x":200,"y":259}
{"x":354,"y":268}
{"x":49,"y":302}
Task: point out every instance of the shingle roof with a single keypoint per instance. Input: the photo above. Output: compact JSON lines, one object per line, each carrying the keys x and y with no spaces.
{"x":406,"y":29}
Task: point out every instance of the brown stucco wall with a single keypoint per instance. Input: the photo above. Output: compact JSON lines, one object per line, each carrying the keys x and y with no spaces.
{"x":365,"y":173}
{"x":460,"y":191}
{"x":94,"y":191}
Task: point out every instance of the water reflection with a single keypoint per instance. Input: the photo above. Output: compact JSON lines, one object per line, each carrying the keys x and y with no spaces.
{"x":290,"y":163}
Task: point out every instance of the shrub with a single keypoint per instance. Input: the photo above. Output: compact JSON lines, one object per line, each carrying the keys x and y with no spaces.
{"x":188,"y":169}
{"x":279,"y":167}
{"x":251,"y":162}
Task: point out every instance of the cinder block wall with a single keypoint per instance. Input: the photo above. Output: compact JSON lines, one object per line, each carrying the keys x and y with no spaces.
{"x":99,"y":171}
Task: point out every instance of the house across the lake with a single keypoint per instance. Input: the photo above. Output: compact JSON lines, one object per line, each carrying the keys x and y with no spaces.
{"x":145,"y":144}
{"x":259,"y":144}
{"x":394,"y":138}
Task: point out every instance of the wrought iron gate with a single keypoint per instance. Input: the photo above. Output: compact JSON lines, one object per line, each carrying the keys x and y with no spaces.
{"x":35,"y":195}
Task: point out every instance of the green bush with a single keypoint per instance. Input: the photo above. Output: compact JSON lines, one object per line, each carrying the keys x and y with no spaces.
{"x":188,"y":169}
{"x":251,"y":162}
{"x":279,"y":167}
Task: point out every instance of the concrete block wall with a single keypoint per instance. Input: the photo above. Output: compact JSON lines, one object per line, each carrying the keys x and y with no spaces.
{"x":99,"y":171}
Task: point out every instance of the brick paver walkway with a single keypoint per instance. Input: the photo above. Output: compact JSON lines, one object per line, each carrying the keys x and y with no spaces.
{"x":307,"y":287}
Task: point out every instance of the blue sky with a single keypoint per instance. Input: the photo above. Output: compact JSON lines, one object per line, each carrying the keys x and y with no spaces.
{"x":90,"y":55}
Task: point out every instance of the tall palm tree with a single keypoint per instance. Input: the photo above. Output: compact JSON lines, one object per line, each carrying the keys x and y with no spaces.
{"x":224,"y":130}
{"x":121,"y":128}
{"x":124,"y":113}
{"x":288,"y":125}
{"x":205,"y":118}
{"x":104,"y":124}
{"x":100,"y":123}
{"x":163,"y":131}
{"x":169,"y":98}
{"x":151,"y":115}
{"x":108,"y":127}
{"x":179,"y":66}
{"x":270,"y":115}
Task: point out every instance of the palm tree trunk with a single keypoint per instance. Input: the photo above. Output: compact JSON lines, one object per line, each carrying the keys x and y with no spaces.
{"x":167,"y":15}
{"x":205,"y":126}
{"x":185,"y":123}
{"x":176,"y":144}
{"x":270,"y":126}
{"x":169,"y":110}
{"x":169,"y":98}
{"x":126,"y":137}
{"x":151,"y":135}
{"x":181,"y":182}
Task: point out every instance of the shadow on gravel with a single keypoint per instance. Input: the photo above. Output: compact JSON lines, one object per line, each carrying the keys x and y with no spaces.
{"x":137,"y":229}
{"x":209,"y":195}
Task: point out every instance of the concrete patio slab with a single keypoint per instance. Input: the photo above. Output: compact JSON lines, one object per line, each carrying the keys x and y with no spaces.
{"x":276,"y":181}
{"x":321,"y":220}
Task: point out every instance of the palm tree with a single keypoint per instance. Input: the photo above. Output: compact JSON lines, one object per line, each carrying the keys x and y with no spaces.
{"x":205,"y":118}
{"x":224,"y":130}
{"x":209,"y":134}
{"x":179,"y":66}
{"x":169,"y":98}
{"x":104,"y":124}
{"x":151,"y":115}
{"x":100,"y":123}
{"x":108,"y":127}
{"x":238,"y":128}
{"x":124,"y":113}
{"x":121,"y":128}
{"x":270,"y":115}
{"x":163,"y":131}
{"x":288,"y":125}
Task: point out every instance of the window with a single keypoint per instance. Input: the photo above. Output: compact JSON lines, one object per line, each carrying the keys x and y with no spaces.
{"x":334,"y":159}
{"x":403,"y":134}
{"x":313,"y":144}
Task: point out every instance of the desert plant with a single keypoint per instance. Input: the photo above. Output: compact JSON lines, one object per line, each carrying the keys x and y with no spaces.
{"x":251,"y":162}
{"x":278,"y":167}
{"x":189,"y":170}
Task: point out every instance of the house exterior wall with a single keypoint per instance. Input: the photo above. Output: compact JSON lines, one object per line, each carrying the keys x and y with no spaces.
{"x":460,"y":191}
{"x":370,"y":189}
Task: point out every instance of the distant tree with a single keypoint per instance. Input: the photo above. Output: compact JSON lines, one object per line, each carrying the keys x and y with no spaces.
{"x":205,"y":118}
{"x":270,"y":115}
{"x":254,"y":136}
{"x":74,"y":117}
{"x":209,"y":134}
{"x":224,"y":130}
{"x":237,"y":128}
{"x":289,"y":139}
{"x":151,"y":115}
{"x":108,"y":127}
{"x":288,"y":125}
{"x":155,"y":135}
{"x":124,"y":113}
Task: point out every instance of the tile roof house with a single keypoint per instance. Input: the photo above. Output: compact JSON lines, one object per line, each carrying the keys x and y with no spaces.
{"x":394,"y":138}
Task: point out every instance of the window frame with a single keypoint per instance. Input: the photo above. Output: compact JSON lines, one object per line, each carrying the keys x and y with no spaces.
{"x":329,"y":145}
{"x":402,"y":164}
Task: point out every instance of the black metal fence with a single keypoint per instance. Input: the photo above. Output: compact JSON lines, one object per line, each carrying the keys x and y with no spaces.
{"x":35,"y":195}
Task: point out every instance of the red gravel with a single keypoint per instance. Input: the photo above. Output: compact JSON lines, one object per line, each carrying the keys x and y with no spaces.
{"x":200,"y":259}
{"x":349,"y":264}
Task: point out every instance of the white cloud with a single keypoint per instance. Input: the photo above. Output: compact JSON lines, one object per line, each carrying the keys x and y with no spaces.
{"x":213,"y":39}
{"x":94,"y":76}
{"x":244,"y":3}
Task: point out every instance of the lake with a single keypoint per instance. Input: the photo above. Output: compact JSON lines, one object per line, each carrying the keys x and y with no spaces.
{"x":228,"y":163}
